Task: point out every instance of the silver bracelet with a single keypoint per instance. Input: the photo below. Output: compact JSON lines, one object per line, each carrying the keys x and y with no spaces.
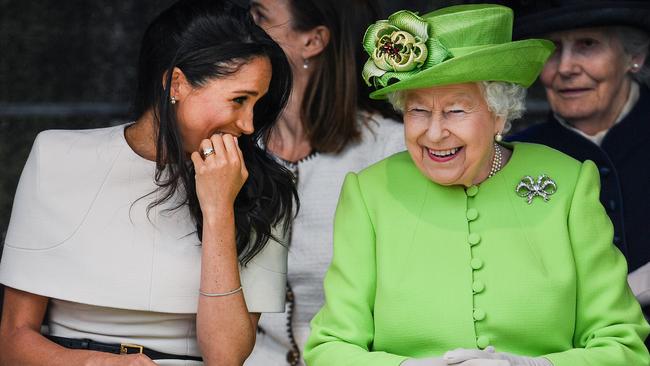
{"x":220,"y":294}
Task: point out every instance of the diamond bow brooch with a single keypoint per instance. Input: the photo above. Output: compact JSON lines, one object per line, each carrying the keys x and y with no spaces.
{"x":529,"y":188}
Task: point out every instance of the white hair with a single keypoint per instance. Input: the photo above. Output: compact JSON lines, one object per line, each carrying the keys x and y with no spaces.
{"x":506,"y":100}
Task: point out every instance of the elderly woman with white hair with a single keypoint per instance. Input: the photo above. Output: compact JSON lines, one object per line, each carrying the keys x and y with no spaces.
{"x":465,"y":250}
{"x":597,"y":84}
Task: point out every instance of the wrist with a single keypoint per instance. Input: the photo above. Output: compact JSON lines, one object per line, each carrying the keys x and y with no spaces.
{"x":217,"y":214}
{"x":96,"y":358}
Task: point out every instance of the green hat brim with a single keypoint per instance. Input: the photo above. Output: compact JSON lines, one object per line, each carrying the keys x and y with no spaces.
{"x":517,"y":62}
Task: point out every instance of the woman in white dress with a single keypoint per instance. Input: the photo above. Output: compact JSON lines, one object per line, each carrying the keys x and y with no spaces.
{"x":329,"y":128}
{"x":154,"y":242}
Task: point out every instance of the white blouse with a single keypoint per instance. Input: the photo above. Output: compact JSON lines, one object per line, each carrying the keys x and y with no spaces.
{"x":81,"y":235}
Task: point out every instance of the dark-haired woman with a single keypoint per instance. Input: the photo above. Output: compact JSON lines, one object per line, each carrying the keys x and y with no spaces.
{"x":329,"y":128}
{"x":104,"y":226}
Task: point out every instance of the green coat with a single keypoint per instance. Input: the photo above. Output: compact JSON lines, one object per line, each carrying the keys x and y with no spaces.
{"x":420,"y":269}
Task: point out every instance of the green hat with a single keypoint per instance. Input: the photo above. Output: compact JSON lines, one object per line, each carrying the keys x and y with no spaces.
{"x":458,"y":44}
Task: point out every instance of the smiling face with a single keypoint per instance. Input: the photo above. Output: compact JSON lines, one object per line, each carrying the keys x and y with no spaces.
{"x":586,"y":78}
{"x":222,"y":105}
{"x":449,"y":133}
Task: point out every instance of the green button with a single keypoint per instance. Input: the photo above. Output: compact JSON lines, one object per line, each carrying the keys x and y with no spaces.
{"x":478,"y":286}
{"x":472,"y":214}
{"x":482,"y":342}
{"x":471,"y":191}
{"x":473,"y":238}
{"x":476,"y":263}
{"x":479,"y":315}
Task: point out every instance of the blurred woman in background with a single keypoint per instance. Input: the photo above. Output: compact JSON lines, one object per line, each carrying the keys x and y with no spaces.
{"x":597,"y":84}
{"x":329,"y":127}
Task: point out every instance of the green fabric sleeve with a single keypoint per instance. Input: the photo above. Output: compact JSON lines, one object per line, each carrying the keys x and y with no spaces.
{"x":610,"y":327}
{"x":342,"y":331}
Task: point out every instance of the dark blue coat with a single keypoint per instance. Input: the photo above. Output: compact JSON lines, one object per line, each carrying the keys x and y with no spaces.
{"x":623,"y":160}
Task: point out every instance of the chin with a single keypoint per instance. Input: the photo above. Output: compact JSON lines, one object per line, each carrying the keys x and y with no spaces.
{"x":571,"y":113}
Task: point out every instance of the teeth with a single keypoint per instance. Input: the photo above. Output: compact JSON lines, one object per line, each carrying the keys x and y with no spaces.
{"x":444,"y":153}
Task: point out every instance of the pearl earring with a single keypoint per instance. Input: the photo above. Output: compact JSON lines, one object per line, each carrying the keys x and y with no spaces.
{"x":498,"y":137}
{"x":173,"y":100}
{"x":635,"y":66}
{"x":305,"y":63}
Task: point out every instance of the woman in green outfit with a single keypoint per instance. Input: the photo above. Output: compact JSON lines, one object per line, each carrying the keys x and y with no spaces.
{"x":466,"y":250}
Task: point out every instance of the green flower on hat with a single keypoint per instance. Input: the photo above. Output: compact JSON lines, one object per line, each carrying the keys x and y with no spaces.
{"x":399,"y":48}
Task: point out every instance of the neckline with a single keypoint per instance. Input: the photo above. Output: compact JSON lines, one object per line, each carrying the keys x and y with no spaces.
{"x":514,"y":158}
{"x":295,"y":164}
{"x":125,"y":144}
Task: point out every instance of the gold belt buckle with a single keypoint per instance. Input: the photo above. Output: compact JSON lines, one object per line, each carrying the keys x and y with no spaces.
{"x":125,"y":347}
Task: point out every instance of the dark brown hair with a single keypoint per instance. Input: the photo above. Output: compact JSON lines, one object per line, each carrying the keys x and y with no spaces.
{"x":335,"y":92}
{"x":208,"y":40}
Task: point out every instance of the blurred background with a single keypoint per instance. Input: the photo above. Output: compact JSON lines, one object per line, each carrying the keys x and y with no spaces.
{"x":71,"y":65}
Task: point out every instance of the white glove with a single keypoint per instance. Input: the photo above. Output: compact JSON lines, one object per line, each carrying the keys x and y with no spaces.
{"x":639,"y":281}
{"x":459,"y":356}
{"x":482,"y":362}
{"x":437,"y":361}
{"x":441,"y":362}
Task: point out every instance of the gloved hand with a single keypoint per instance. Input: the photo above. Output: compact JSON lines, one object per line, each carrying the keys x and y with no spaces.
{"x":441,"y":362}
{"x":482,"y":362}
{"x":639,"y":281}
{"x":437,"y":361}
{"x":459,"y":356}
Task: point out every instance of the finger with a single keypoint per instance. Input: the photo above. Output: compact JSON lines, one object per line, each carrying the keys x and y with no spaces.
{"x":230,"y":144}
{"x":137,"y":360}
{"x":197,"y":160}
{"x":206,"y":145}
{"x":244,"y":171}
{"x":218,"y":145}
{"x":239,"y":152}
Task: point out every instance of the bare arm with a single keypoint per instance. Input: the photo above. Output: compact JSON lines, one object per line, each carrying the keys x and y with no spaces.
{"x":21,"y":342}
{"x":225,"y":328}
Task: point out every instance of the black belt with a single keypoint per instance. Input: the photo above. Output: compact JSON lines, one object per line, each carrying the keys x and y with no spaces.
{"x":119,"y":349}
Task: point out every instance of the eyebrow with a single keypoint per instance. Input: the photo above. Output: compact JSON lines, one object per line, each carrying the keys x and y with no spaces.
{"x":249,"y":92}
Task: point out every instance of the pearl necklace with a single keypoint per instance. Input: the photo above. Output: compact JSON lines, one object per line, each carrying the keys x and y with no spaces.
{"x":497,"y":160}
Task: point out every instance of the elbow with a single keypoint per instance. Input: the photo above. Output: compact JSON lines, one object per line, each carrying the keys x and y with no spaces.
{"x":225,"y":353}
{"x":217,"y":361}
{"x":224,"y":359}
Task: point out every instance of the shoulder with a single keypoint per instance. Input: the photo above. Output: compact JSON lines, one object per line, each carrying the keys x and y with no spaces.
{"x":61,"y":154}
{"x":375,"y":127}
{"x":380,"y":136}
{"x":58,"y":151}
{"x":542,"y":152}
{"x":378,"y":124}
{"x":536,"y":133}
{"x":393,"y":176}
{"x":68,"y":141}
{"x":59,"y":182}
{"x":399,"y":163}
